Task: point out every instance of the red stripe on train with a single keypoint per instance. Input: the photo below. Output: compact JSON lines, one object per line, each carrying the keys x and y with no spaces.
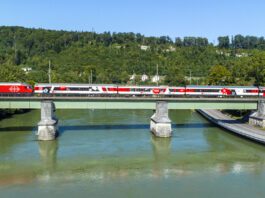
{"x":124,"y":89}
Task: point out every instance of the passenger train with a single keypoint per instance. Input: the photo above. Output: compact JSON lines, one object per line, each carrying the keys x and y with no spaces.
{"x":60,"y":89}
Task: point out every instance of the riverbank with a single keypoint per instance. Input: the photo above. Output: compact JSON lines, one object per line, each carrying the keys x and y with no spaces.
{"x":6,"y":113}
{"x":234,"y":126}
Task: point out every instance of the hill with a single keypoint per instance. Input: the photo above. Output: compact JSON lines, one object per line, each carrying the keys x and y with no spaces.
{"x":113,"y":57}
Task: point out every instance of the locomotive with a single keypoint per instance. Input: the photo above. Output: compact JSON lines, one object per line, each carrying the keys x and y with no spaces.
{"x":15,"y":88}
{"x":67,"y":89}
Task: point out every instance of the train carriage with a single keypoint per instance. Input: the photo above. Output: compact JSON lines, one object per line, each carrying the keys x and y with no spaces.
{"x":74,"y":89}
{"x":244,"y":91}
{"x":141,"y":90}
{"x":220,"y":91}
{"x":215,"y":91}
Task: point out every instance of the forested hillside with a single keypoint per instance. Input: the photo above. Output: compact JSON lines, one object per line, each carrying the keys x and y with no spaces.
{"x":113,"y":57}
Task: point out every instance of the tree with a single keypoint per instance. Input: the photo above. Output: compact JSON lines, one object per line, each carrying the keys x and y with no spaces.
{"x":258,"y":67}
{"x":124,"y":76}
{"x":223,"y":42}
{"x":178,"y":42}
{"x":175,"y":77}
{"x":239,"y":41}
{"x":11,"y":74}
{"x":241,"y":71}
{"x":219,"y":75}
{"x":114,"y":54}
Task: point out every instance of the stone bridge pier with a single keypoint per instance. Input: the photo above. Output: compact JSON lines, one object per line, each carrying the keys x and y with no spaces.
{"x":160,"y":124}
{"x":47,"y":127}
{"x":258,"y":117}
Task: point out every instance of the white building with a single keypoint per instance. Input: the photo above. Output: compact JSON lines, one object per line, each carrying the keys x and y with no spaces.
{"x":144,"y":47}
{"x":156,"y":78}
{"x":144,"y":78}
{"x":132,"y":77}
{"x":171,"y":49}
{"x":26,"y":69}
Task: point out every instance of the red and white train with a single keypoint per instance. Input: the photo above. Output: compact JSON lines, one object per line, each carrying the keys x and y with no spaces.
{"x":92,"y":89}
{"x":57,"y":89}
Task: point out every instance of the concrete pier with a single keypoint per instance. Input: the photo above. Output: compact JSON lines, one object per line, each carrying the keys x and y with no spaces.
{"x":160,"y":124}
{"x":258,"y":118}
{"x":47,"y":127}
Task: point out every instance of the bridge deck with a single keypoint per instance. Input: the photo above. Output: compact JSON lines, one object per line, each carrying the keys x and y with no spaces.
{"x":234,"y":126}
{"x":129,"y":102}
{"x":124,"y":98}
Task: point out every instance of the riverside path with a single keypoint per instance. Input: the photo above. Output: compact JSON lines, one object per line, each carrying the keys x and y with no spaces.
{"x":233,"y":125}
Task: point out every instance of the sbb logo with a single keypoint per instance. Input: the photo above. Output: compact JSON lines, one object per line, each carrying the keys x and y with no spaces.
{"x":14,"y":89}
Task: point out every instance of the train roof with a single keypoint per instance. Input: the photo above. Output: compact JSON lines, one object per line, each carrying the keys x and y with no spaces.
{"x":72,"y":84}
{"x":83,"y":84}
{"x":13,"y":83}
{"x":142,"y":86}
{"x":210,"y":86}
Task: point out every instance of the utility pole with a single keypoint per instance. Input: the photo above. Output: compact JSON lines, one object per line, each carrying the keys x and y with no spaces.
{"x":15,"y":45}
{"x":49,"y":72}
{"x":190,"y":77}
{"x":133,"y":78}
{"x":91,"y":77}
{"x":157,"y":78}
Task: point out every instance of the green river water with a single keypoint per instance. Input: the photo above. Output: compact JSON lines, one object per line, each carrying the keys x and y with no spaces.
{"x":111,"y":153}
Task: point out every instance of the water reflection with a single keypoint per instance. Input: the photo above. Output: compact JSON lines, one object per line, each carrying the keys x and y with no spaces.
{"x":161,"y":148}
{"x":48,"y":155}
{"x":232,"y":154}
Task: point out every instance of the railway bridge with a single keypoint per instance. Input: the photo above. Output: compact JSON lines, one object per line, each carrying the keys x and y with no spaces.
{"x":160,"y":123}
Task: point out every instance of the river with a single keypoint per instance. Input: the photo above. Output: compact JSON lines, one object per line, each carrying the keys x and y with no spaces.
{"x":111,"y":153}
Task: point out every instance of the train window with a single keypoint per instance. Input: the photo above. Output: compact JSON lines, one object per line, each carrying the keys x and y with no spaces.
{"x":143,"y":89}
{"x":209,"y":90}
{"x":147,"y":90}
{"x":203,"y":90}
{"x":59,"y":88}
{"x":176,"y":90}
{"x":82,"y":89}
{"x":251,"y":91}
{"x":74,"y":88}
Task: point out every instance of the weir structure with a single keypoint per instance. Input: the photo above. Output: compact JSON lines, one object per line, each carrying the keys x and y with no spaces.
{"x":160,"y":123}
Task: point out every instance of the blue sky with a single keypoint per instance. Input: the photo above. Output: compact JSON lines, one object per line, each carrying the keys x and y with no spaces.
{"x":175,"y":18}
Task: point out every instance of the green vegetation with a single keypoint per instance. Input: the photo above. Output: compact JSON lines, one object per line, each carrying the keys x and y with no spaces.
{"x":219,"y":75}
{"x":113,"y":57}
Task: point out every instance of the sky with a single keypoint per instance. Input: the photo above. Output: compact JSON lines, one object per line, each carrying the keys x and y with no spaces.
{"x":174,"y":18}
